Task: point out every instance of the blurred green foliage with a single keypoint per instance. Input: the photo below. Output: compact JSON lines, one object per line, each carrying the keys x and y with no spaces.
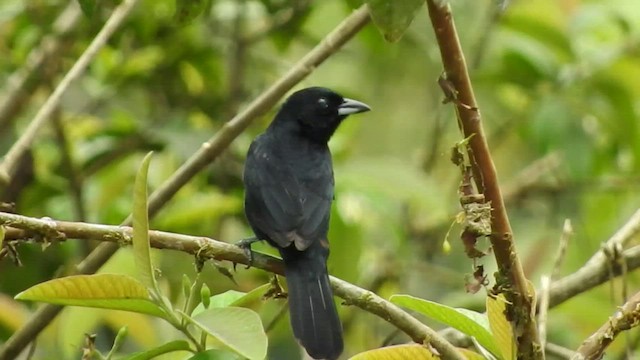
{"x":553,"y":79}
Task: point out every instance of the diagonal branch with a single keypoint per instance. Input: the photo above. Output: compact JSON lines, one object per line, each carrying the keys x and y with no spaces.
{"x":8,"y":165}
{"x":22,"y":82}
{"x":596,"y":269}
{"x":203,"y":157}
{"x":206,"y":248}
{"x":512,"y":280}
{"x":627,"y":317}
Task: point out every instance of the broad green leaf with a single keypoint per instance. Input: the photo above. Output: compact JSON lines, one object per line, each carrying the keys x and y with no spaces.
{"x":234,"y":298}
{"x":237,"y":328}
{"x":467,"y":321}
{"x":393,"y":18}
{"x":216,"y":354}
{"x":141,"y":246}
{"x":107,"y":291}
{"x":176,"y":345}
{"x":500,"y":326}
{"x":398,"y":352}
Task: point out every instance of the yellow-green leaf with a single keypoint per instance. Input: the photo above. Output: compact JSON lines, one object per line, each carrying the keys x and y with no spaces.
{"x":471,"y":355}
{"x":108,"y":291}
{"x":141,"y":246}
{"x":397,"y":352}
{"x":469,"y":322}
{"x":237,"y":328}
{"x":500,"y":326}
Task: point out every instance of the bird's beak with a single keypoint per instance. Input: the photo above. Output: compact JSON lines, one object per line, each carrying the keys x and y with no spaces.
{"x":350,"y":106}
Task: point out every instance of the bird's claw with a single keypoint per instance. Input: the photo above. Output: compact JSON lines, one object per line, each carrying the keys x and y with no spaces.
{"x":245,"y":245}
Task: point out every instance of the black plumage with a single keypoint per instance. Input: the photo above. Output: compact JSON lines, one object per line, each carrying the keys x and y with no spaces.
{"x":289,"y":186}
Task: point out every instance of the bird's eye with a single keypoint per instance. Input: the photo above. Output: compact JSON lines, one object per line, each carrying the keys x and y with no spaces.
{"x":323,"y":103}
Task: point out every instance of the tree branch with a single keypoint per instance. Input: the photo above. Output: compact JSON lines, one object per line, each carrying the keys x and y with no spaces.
{"x":22,"y":82}
{"x":206,"y":248}
{"x":7,"y":168}
{"x":203,"y":157}
{"x":545,"y":281}
{"x":627,"y":317}
{"x":596,"y":269}
{"x":512,"y":280}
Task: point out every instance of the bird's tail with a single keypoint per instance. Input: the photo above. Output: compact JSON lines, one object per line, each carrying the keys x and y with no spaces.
{"x":313,"y":313}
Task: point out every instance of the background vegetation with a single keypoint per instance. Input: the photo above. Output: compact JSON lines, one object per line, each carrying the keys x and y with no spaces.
{"x":556,"y":81}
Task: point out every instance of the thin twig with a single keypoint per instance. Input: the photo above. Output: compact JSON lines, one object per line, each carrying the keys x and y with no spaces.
{"x":567,"y":232}
{"x":206,"y":248}
{"x":627,"y":317}
{"x":545,"y":284}
{"x":512,"y":281}
{"x":545,"y":281}
{"x":43,"y":115}
{"x":203,"y":157}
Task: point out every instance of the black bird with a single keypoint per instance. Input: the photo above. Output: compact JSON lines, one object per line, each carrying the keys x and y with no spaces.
{"x":288,"y":178}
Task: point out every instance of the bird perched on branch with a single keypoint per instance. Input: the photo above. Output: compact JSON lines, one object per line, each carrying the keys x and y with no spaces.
{"x":288,"y":178}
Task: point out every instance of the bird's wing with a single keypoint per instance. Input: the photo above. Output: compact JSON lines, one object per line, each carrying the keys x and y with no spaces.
{"x":285,"y":206}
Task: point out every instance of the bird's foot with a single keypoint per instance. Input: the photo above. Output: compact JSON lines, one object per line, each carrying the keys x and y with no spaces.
{"x":245,"y":244}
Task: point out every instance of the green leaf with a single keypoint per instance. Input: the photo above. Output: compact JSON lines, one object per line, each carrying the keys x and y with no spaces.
{"x":176,"y":345}
{"x":469,"y":322}
{"x":411,"y":351}
{"x":393,"y":18}
{"x":237,"y":328}
{"x":107,"y":291}
{"x":500,"y":326}
{"x":141,"y":226}
{"x":188,"y":10}
{"x":251,"y":297}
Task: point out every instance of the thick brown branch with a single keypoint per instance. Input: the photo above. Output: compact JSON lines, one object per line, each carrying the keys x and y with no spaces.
{"x":206,"y":248}
{"x":512,"y":280}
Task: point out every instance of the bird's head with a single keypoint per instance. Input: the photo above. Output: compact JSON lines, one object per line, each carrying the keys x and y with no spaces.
{"x":316,"y":112}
